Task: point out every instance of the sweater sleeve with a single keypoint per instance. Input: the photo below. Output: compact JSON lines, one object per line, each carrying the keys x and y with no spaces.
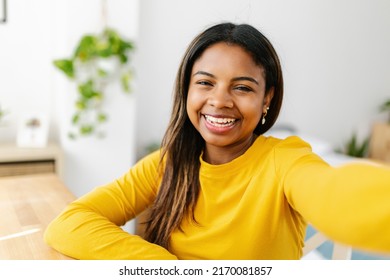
{"x":350,"y":203}
{"x":89,"y":228}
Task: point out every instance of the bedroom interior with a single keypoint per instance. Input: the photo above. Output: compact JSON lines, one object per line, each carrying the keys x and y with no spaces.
{"x":336,"y":80}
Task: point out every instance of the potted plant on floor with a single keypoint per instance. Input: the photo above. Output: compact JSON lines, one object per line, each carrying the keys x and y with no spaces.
{"x":355,"y":148}
{"x":97,"y":60}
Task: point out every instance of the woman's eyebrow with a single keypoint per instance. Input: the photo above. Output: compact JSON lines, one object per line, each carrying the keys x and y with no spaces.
{"x":204,"y":73}
{"x":242,"y":78}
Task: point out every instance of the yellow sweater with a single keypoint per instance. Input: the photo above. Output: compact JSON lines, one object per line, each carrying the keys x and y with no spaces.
{"x":253,"y":207}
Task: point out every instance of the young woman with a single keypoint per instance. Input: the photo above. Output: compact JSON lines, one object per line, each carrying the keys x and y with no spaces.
{"x":218,"y":188}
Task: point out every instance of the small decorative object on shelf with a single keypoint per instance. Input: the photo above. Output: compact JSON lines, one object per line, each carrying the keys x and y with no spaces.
{"x":33,"y":130}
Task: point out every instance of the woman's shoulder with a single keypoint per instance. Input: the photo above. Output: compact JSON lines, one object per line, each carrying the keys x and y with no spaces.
{"x":292,"y":151}
{"x":289,"y":149}
{"x":290,"y":142}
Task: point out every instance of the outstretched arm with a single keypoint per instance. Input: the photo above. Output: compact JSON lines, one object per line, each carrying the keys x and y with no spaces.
{"x":350,"y":204}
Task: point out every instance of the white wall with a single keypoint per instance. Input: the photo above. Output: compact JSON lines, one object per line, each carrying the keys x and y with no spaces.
{"x":38,"y":32}
{"x":335,"y":56}
{"x":25,"y":46}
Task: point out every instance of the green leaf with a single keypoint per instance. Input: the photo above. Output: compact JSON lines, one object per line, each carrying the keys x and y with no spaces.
{"x":126,"y":45}
{"x":101,"y":117}
{"x":66,"y":66}
{"x":102,"y":73}
{"x":87,"y":48}
{"x":125,"y":81}
{"x":385,"y":106}
{"x":86,"y":129}
{"x":352,"y":145}
{"x":81,"y":104}
{"x":87,"y":90}
{"x":76,"y":118}
{"x":123,"y":58}
{"x":353,"y":148}
{"x":364,"y":148}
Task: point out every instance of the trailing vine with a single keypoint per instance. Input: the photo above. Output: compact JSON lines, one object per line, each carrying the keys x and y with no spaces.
{"x":96,"y":61}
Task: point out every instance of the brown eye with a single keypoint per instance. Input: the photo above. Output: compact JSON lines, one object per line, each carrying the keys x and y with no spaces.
{"x":204,"y":83}
{"x":243,"y":88}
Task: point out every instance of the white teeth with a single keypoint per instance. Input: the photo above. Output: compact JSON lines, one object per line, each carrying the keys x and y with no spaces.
{"x":219,"y":121}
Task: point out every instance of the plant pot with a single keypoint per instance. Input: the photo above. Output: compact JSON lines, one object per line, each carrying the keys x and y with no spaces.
{"x":380,"y":142}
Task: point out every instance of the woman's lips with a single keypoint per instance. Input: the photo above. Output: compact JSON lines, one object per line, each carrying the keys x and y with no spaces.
{"x":219,"y":124}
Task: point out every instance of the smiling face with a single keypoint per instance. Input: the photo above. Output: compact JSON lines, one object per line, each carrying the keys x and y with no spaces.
{"x":226,"y":100}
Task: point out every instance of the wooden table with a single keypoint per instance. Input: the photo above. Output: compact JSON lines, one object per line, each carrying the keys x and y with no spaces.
{"x":27,"y":205}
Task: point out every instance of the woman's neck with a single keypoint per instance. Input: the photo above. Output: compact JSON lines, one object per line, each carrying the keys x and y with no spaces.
{"x":220,"y":155}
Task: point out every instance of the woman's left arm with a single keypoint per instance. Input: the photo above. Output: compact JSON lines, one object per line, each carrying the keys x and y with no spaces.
{"x":350,"y":204}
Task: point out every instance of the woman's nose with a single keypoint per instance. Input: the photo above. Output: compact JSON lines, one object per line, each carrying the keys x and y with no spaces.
{"x":221,"y":98}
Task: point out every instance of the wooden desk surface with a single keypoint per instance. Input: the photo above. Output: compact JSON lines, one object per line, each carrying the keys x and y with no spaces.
{"x":27,"y":205}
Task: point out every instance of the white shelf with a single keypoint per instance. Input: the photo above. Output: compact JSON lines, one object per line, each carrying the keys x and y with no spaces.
{"x":32,"y":160}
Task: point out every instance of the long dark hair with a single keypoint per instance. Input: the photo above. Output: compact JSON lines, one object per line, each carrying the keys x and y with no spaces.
{"x":182,"y":145}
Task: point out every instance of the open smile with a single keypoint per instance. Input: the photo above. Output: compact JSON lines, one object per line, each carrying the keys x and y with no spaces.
{"x":219,"y":124}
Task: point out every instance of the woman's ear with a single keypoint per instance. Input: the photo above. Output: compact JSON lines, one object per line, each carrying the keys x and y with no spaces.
{"x":268,"y":98}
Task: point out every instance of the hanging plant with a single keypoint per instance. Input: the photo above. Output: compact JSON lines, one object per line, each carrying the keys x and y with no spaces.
{"x":96,"y":61}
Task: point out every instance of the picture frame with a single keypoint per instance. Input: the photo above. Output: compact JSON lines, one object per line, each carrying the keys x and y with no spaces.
{"x":3,"y":11}
{"x":32,"y":130}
